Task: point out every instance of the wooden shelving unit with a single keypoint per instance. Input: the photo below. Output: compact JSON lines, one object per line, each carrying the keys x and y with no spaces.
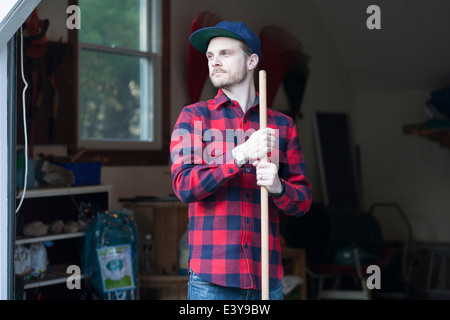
{"x":440,"y":135}
{"x":47,"y":204}
{"x":55,"y":275}
{"x":46,"y":192}
{"x":165,"y":221}
{"x":24,"y":240}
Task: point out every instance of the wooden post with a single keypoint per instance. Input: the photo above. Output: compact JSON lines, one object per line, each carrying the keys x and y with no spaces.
{"x":264,"y":195}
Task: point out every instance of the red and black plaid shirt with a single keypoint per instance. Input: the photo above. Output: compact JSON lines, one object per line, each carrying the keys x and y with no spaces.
{"x":224,"y":199}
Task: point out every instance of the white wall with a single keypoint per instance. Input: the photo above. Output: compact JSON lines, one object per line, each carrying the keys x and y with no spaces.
{"x":129,"y":182}
{"x":406,"y":169}
{"x":55,"y":12}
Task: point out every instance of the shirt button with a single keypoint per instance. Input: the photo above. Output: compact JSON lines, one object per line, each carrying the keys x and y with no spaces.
{"x":280,"y":203}
{"x":245,"y":245}
{"x":230,"y":170}
{"x":247,"y":220}
{"x":247,"y":170}
{"x":247,"y":195}
{"x":245,"y":120}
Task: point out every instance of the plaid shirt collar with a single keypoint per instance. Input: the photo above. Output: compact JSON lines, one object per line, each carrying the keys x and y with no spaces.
{"x":221,"y":100}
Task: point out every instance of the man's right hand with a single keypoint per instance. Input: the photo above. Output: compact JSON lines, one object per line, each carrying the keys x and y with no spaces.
{"x":259,"y":144}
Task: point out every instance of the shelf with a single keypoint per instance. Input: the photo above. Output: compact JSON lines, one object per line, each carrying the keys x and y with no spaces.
{"x":55,"y":275}
{"x":440,"y":135}
{"x":49,"y":204}
{"x":50,"y":237}
{"x":51,"y":191}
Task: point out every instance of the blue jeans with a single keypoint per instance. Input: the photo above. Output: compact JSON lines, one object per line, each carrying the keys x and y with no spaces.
{"x":199,"y":289}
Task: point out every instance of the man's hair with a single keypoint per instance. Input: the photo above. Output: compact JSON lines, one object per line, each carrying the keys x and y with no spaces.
{"x":247,"y":51}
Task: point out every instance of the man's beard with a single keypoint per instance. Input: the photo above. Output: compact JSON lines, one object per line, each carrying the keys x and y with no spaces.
{"x":230,"y":80}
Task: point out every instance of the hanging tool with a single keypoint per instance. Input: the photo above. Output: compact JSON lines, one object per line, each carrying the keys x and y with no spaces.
{"x":36,"y":29}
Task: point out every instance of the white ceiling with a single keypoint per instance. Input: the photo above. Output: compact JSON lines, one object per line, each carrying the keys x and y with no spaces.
{"x":411,"y":51}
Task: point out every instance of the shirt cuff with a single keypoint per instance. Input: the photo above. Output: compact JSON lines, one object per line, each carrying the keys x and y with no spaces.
{"x":275,"y":195}
{"x":230,"y":167}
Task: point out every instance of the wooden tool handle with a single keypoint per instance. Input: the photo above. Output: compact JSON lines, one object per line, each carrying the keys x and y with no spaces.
{"x":264,"y":195}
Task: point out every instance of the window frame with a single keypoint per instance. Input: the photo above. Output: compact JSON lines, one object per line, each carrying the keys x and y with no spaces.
{"x":133,"y":154}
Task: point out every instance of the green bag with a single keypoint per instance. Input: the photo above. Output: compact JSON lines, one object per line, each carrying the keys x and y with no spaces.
{"x":110,"y":256}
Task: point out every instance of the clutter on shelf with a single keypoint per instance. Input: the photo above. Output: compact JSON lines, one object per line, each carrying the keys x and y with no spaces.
{"x":57,"y":226}
{"x":35,"y":229}
{"x":68,"y":171}
{"x":31,"y":261}
{"x":39,"y":229}
{"x":437,"y":127}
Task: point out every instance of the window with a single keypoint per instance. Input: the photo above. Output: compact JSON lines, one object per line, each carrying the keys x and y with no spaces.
{"x":120,"y":93}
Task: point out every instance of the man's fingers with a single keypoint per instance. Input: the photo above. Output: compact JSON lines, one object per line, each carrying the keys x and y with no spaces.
{"x":260,"y":144}
{"x":263,"y":165}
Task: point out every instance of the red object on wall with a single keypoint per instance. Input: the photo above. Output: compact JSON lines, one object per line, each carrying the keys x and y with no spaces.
{"x":36,"y":29}
{"x":197,"y":67}
{"x":279,"y":51}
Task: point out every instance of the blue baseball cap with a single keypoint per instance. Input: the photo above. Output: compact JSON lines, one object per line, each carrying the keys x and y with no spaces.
{"x":236,"y":30}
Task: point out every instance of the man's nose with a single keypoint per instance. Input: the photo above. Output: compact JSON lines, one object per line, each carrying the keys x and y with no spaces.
{"x":215,"y":61}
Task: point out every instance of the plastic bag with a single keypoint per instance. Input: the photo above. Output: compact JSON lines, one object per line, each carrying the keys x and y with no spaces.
{"x":38,"y":259}
{"x":110,"y":257}
{"x":22,"y":260}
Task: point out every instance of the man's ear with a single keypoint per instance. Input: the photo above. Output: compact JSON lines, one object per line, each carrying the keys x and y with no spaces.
{"x":252,"y":61}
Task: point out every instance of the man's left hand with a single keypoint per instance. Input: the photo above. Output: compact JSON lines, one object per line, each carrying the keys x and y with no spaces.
{"x":267,"y":176}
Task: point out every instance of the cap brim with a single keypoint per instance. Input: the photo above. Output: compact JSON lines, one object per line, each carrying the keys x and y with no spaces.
{"x":200,"y":38}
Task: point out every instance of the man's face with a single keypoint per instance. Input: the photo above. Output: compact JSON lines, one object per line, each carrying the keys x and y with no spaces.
{"x":227,"y":62}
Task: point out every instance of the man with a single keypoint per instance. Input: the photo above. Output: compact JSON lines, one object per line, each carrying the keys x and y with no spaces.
{"x":215,"y":150}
